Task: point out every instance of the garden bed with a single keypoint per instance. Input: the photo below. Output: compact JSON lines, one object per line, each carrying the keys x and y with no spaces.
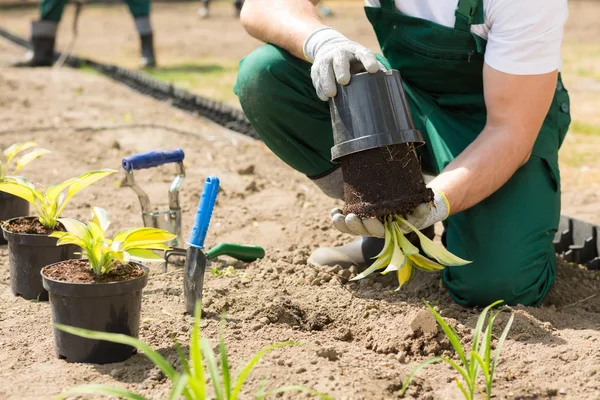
{"x":360,"y":340}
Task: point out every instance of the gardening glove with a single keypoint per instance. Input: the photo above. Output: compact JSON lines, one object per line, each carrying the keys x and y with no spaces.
{"x":332,"y":55}
{"x":423,"y":216}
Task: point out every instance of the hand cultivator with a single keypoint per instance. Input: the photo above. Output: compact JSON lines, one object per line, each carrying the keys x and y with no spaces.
{"x":170,"y":219}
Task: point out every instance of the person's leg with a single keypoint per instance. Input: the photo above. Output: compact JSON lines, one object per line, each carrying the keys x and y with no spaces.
{"x":140,"y":10}
{"x":509,"y":239}
{"x":43,"y":35}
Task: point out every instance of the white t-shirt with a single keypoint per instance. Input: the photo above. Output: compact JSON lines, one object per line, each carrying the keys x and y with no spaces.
{"x":523,"y":36}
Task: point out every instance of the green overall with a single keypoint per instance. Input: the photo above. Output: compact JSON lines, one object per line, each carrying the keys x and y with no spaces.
{"x":52,"y":10}
{"x":508,"y":236}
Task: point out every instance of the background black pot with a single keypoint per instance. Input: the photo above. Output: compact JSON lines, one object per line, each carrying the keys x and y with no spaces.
{"x":107,"y":307}
{"x":12,"y":207}
{"x":27,"y":255}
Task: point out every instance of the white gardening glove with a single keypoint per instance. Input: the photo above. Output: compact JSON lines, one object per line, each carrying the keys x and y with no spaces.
{"x":423,"y":216}
{"x":332,"y":54}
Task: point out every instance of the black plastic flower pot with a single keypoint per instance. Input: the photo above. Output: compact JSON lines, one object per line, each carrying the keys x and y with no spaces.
{"x":27,"y":255}
{"x":108,"y":307}
{"x":12,"y":207}
{"x":375,"y":141}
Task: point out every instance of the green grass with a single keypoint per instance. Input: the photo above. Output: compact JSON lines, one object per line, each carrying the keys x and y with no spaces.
{"x":480,"y":359}
{"x":584,"y":128}
{"x":211,"y":78}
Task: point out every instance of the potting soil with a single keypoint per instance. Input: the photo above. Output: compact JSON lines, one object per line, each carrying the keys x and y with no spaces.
{"x":383,"y":181}
{"x":78,"y":271}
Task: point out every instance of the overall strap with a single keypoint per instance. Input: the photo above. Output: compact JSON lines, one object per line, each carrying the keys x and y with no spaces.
{"x":467,"y":12}
{"x":388,"y":5}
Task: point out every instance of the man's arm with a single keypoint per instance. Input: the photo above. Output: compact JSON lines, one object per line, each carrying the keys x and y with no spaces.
{"x":285,"y":23}
{"x":516,"y":108}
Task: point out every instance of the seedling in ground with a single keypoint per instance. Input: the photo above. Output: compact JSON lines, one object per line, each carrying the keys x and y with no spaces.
{"x":479,"y":358}
{"x":203,"y":364}
{"x":103,"y":253}
{"x":12,"y":153}
{"x":51,"y":204}
{"x":401,"y":256}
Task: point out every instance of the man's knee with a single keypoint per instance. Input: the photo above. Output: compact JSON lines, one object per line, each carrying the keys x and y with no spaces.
{"x":260,"y":77}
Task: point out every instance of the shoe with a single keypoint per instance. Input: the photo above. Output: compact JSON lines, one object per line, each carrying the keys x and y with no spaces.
{"x":203,"y":11}
{"x":147,"y":60}
{"x":359,"y":252}
{"x":43,"y":39}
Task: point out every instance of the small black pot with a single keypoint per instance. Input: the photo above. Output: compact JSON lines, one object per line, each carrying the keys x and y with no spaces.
{"x":12,"y":207}
{"x":27,"y":255}
{"x":370,"y":112}
{"x":107,"y":307}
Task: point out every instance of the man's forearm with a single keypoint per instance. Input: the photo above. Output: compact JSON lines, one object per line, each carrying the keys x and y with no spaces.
{"x":483,"y":168}
{"x":516,"y":106}
{"x":285,"y":23}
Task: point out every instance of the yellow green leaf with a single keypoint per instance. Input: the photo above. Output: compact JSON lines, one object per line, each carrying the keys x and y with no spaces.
{"x":424,"y":263}
{"x":76,"y":228}
{"x":433,"y":250}
{"x":100,"y":218}
{"x":387,"y":241}
{"x":144,"y":255}
{"x":11,"y":151}
{"x":82,"y":182}
{"x":21,"y":190}
{"x":29,"y":157}
{"x":380,"y":263}
{"x":398,"y":258}
{"x":404,"y":274}
{"x":407,"y":247}
{"x":133,"y":238}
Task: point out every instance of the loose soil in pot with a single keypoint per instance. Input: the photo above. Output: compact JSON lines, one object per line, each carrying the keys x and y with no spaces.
{"x":383,"y":181}
{"x":30,"y":225}
{"x":77,"y":271}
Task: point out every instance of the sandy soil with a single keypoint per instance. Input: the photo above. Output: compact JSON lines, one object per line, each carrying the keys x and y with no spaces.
{"x":360,"y":340}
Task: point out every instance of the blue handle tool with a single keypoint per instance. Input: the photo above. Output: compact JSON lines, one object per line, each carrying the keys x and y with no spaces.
{"x":204,"y":213}
{"x":152,"y":159}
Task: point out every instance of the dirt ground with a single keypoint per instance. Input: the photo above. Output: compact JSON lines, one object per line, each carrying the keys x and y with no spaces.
{"x":360,"y":340}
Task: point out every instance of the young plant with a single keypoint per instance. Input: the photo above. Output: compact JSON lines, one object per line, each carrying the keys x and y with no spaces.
{"x":51,"y":204}
{"x":104,"y":254}
{"x":401,"y":256}
{"x":6,"y":167}
{"x":192,"y":382}
{"x":479,"y":358}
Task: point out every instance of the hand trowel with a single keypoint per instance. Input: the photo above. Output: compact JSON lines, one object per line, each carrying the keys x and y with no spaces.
{"x":196,"y":259}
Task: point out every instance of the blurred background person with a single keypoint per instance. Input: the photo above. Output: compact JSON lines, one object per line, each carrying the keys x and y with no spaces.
{"x":43,"y":33}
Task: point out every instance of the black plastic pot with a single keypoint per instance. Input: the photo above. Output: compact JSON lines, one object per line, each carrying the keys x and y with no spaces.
{"x":12,"y":207}
{"x":370,"y":112}
{"x":27,"y":255}
{"x":107,"y":307}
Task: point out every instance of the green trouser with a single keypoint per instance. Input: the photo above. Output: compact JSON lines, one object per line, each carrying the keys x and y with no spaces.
{"x":52,"y":10}
{"x":508,"y":236}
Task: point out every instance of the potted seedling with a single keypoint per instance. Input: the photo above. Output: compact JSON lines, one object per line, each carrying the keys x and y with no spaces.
{"x":375,"y":143}
{"x":102,"y":291}
{"x":14,"y":160}
{"x":30,"y":246}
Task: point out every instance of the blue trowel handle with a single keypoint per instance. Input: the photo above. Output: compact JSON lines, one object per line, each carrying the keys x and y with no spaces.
{"x":152,"y":159}
{"x":205,"y":208}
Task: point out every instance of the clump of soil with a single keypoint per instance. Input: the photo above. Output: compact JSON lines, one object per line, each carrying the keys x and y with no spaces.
{"x":31,"y":225}
{"x":77,"y":271}
{"x":383,"y":181}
